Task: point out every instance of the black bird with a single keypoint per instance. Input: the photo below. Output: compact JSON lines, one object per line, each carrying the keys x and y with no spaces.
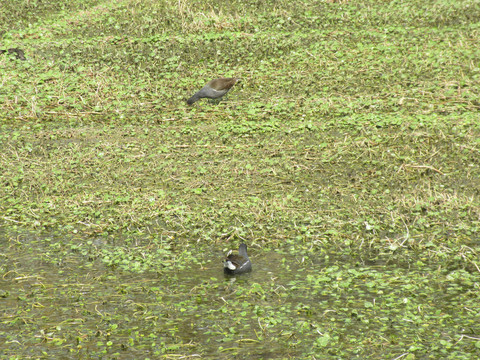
{"x":237,"y":264}
{"x":214,"y":89}
{"x":19,"y":54}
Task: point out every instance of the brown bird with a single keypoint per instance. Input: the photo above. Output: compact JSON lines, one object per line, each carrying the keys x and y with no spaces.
{"x":214,"y":89}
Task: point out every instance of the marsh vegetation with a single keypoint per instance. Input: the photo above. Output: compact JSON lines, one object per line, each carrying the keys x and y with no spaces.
{"x":348,"y":159}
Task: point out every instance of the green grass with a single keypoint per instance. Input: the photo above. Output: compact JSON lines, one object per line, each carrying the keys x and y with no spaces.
{"x":347,"y":158}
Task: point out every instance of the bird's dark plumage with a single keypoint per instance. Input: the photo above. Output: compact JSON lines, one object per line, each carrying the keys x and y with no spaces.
{"x":18,"y":53}
{"x":214,"y":89}
{"x":238,"y":264}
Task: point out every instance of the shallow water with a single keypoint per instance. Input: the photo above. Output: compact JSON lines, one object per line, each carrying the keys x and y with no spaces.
{"x":289,"y":306}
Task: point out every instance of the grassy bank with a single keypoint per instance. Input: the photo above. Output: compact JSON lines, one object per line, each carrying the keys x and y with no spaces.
{"x":347,"y":158}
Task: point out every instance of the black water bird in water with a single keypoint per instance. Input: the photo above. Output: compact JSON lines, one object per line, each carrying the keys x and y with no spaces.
{"x":236,"y":264}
